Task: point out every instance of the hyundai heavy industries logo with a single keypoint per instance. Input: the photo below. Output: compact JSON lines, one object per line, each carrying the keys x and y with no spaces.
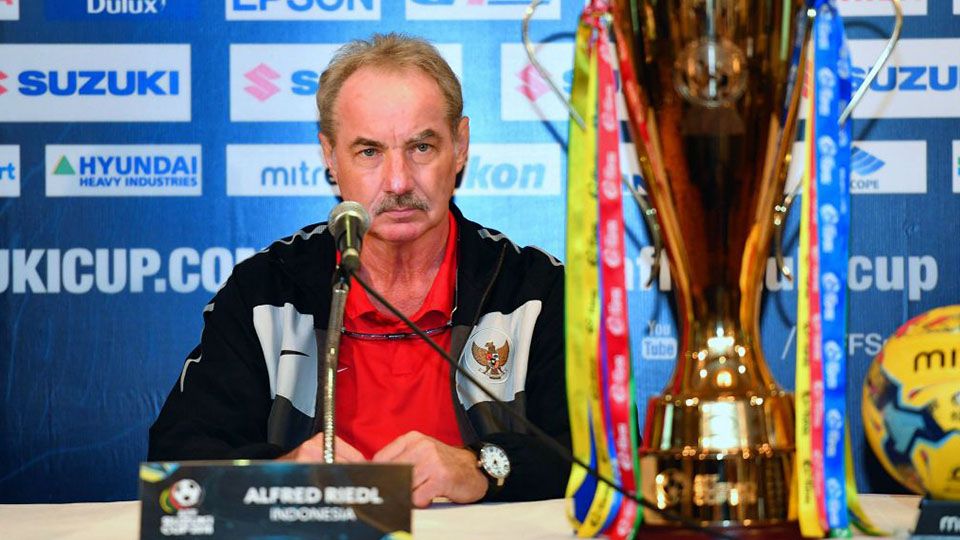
{"x":9,"y":170}
{"x":302,"y":10}
{"x":95,"y":83}
{"x":879,"y":8}
{"x":877,"y":167}
{"x":920,"y":80}
{"x":511,"y":10}
{"x":155,"y":170}
{"x":511,"y":170}
{"x":9,"y":10}
{"x":276,"y":170}
{"x":121,"y":9}
{"x":278,"y":82}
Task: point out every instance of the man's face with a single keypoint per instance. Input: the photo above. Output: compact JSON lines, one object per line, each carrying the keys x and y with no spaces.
{"x":395,"y":153}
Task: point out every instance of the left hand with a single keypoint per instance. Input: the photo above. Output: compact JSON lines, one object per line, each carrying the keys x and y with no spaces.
{"x":439,"y":470}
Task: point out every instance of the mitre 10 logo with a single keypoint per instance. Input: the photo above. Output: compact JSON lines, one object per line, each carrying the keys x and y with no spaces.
{"x":90,"y":83}
{"x":120,"y":9}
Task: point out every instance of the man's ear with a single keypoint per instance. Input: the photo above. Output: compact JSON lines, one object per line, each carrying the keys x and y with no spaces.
{"x":330,"y":162}
{"x":463,"y":142}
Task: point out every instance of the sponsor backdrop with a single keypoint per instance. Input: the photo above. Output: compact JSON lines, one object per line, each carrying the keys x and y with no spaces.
{"x":146,"y":146}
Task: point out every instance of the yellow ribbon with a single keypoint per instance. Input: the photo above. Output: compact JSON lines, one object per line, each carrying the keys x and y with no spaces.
{"x":582,"y":311}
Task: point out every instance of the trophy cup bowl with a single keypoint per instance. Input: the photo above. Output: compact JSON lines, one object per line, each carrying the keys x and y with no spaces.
{"x":713,"y":116}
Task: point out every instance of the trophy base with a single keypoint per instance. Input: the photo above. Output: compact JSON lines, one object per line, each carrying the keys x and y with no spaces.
{"x":720,"y":463}
{"x":783,"y":531}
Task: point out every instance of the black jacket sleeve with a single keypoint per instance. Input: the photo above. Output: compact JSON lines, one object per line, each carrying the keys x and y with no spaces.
{"x":218,"y":406}
{"x":538,"y":471}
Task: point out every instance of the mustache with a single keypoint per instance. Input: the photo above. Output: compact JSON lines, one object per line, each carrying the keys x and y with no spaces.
{"x":393,"y":201}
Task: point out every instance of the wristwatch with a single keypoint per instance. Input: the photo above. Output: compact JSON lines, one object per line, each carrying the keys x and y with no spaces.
{"x":493,"y":463}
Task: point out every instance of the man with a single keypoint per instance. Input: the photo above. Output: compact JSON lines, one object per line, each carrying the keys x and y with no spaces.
{"x":394,"y":138}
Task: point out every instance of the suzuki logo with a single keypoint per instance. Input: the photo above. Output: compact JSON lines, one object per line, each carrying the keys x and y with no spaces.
{"x":262,"y":88}
{"x":3,"y":89}
{"x":532,"y":84}
{"x":864,"y":163}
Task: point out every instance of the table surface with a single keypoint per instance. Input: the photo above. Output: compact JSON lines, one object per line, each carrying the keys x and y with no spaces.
{"x":544,"y":520}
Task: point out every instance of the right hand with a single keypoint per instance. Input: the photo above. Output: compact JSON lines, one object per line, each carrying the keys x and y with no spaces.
{"x":311,"y":451}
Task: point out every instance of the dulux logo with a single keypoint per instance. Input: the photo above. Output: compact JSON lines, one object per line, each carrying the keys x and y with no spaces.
{"x":285,"y":10}
{"x":99,"y":83}
{"x":126,"y":7}
{"x":478,"y":9}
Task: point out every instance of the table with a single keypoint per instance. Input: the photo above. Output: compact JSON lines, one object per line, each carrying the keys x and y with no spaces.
{"x":543,"y":520}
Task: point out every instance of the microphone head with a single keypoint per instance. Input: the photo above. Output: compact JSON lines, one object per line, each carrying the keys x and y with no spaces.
{"x":338,"y":217}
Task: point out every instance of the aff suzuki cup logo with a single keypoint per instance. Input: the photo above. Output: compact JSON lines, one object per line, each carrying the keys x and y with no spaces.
{"x":125,"y":7}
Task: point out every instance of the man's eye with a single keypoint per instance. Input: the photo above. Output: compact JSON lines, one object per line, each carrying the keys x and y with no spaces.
{"x":368,"y":152}
{"x":423,"y":147}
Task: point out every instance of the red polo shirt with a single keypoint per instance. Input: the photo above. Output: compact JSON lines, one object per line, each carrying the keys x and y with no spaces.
{"x":387,"y":387}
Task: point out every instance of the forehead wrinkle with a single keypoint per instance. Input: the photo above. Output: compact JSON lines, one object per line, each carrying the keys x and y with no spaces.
{"x":363,"y":141}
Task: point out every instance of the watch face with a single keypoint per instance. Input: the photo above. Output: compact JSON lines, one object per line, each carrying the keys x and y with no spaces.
{"x":495,"y":461}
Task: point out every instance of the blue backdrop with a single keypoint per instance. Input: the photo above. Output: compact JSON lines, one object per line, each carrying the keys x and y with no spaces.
{"x":146,"y":146}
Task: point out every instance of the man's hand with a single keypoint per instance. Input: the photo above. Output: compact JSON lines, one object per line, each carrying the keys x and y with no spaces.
{"x":439,"y":470}
{"x":311,"y":451}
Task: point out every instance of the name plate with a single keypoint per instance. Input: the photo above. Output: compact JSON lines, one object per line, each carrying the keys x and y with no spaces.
{"x":273,"y":499}
{"x":937,"y":520}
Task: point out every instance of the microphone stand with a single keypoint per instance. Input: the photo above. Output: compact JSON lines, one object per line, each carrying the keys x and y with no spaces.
{"x":338,"y":302}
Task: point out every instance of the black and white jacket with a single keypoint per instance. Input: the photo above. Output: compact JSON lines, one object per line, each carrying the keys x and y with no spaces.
{"x":249,"y":390}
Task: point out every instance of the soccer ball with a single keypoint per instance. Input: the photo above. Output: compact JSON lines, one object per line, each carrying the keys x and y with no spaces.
{"x":185,"y":493}
{"x":911,"y":404}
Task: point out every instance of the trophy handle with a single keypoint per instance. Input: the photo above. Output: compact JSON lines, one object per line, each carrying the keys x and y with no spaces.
{"x":649,"y":213}
{"x":532,"y":56}
{"x":881,"y":60}
{"x":783,"y":207}
{"x":780,"y":212}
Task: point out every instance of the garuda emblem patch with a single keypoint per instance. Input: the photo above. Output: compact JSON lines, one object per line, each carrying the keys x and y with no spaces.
{"x":492,"y":359}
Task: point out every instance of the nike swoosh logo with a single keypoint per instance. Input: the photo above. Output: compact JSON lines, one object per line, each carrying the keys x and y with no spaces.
{"x":290,"y":351}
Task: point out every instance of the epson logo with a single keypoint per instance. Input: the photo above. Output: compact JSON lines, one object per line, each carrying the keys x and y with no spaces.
{"x":125,"y":7}
{"x":514,"y":169}
{"x":99,"y":83}
{"x":285,"y":10}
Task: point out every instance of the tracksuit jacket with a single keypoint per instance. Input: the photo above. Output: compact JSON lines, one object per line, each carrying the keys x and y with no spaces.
{"x":250,"y":389}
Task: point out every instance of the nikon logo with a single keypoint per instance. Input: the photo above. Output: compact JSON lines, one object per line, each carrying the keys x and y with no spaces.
{"x":935,"y":358}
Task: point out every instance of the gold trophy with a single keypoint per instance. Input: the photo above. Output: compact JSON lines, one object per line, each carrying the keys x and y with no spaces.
{"x":713,"y":100}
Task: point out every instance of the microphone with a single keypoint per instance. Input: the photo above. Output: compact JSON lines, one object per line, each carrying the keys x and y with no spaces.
{"x":348,"y":222}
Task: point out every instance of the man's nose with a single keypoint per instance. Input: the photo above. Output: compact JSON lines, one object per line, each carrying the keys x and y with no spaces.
{"x":399,"y":175}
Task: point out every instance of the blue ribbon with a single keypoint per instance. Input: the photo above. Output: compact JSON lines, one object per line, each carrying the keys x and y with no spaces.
{"x":833,"y":91}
